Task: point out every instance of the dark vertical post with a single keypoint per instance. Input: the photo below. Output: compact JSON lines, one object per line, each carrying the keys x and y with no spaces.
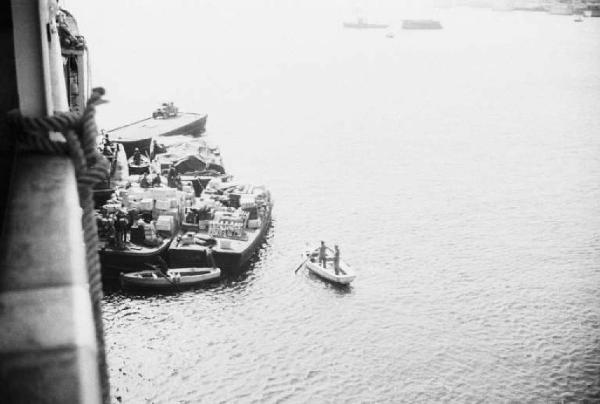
{"x":9,"y":99}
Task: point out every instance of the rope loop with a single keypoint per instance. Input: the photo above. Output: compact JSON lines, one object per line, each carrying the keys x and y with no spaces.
{"x":80,"y":132}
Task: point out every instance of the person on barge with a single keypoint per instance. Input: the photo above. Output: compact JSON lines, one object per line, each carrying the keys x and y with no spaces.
{"x":137,"y":157}
{"x":172,"y":176}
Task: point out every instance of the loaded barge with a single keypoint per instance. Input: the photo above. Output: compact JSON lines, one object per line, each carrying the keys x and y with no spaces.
{"x":231,"y":222}
{"x":183,"y":210}
{"x":166,"y":121}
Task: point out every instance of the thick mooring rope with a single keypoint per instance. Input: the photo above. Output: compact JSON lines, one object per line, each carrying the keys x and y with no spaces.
{"x":91,"y":167}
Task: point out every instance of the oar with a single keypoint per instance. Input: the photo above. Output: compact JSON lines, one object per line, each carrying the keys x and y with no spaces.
{"x":165,"y":276}
{"x":303,"y":262}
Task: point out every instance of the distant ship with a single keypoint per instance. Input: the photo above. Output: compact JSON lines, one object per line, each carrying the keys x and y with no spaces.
{"x":361,"y":23}
{"x":592,"y":10}
{"x":421,"y":24}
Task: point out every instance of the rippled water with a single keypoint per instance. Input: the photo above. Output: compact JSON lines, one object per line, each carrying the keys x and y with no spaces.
{"x":458,"y":170}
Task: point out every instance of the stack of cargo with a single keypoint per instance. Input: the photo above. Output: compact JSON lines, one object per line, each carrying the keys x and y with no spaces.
{"x":228,"y":223}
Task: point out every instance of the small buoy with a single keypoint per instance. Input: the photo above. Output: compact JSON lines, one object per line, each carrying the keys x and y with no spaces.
{"x":389,"y":35}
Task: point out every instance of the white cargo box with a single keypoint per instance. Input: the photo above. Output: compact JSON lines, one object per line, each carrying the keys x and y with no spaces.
{"x":138,"y":194}
{"x":254,"y":223}
{"x":172,"y":212}
{"x":188,"y":189}
{"x":173,"y":202}
{"x":146,"y":204}
{"x":165,"y":223}
{"x":112,"y":207}
{"x":247,"y":201}
{"x":164,"y":193}
{"x":163,"y":204}
{"x":225,"y":244}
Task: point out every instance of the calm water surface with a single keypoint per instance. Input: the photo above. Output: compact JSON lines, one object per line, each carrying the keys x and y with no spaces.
{"x":458,"y":170}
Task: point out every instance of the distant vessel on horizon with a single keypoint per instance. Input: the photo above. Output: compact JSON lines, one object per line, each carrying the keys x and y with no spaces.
{"x":421,"y":24}
{"x":592,"y":10}
{"x":362,"y":23}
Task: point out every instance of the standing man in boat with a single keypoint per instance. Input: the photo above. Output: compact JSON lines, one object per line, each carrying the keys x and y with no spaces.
{"x":336,"y":259}
{"x":323,"y":254}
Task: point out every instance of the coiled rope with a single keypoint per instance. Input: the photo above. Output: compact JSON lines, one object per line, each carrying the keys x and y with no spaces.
{"x":80,"y":132}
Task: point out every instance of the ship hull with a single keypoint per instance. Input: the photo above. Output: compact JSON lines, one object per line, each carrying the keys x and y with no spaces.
{"x":231,"y":261}
{"x":186,"y":123}
{"x":132,"y":259}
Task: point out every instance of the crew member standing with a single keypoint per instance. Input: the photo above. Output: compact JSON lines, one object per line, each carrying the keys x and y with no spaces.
{"x":323,"y":255}
{"x":171,"y":176}
{"x":336,"y":259}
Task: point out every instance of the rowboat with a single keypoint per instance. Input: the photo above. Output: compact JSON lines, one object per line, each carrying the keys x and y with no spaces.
{"x":175,"y":278}
{"x":344,"y":277}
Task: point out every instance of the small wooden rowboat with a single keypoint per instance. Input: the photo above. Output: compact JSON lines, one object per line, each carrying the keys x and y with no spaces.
{"x":177,"y":278}
{"x":345,"y":273}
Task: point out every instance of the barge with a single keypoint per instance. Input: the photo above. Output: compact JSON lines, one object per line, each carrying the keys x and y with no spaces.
{"x":233,"y":231}
{"x":133,"y":257}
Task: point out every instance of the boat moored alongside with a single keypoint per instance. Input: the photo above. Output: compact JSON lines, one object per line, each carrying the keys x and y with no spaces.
{"x":132,"y":257}
{"x":174,"y":278}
